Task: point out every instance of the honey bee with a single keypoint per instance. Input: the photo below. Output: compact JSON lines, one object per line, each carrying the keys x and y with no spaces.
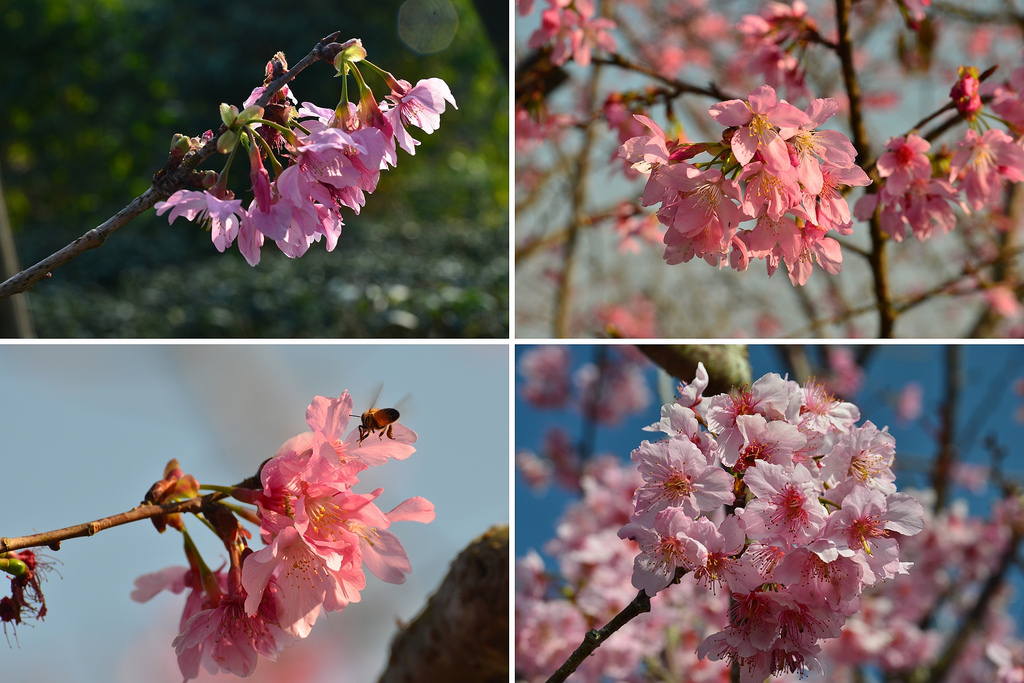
{"x":378,"y":420}
{"x":375,"y":419}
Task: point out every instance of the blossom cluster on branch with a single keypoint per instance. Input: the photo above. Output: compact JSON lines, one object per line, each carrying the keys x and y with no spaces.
{"x":777,"y":169}
{"x":334,"y":156}
{"x":774,"y":493}
{"x":767,"y":526}
{"x":318,"y":534}
{"x":937,"y":145}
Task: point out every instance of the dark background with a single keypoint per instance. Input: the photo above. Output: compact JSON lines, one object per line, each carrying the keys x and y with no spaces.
{"x":93,"y":90}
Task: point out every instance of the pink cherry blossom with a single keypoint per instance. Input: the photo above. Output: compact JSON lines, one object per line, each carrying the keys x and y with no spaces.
{"x":865,"y":455}
{"x":755,"y":439}
{"x":965,"y":92}
{"x":420,"y":105}
{"x":226,"y":638}
{"x":909,"y":402}
{"x":866,"y":521}
{"x":830,"y":146}
{"x":769,"y":191}
{"x":815,"y":248}
{"x":645,"y":151}
{"x":770,"y":396}
{"x":545,"y":371}
{"x":759,"y":119}
{"x":616,"y":377}
{"x":981,"y":162}
{"x":676,"y":473}
{"x":572,"y":31}
{"x":307,"y":581}
{"x":223,"y":215}
{"x":664,"y":546}
{"x":903,"y":161}
{"x":701,"y":211}
{"x":786,"y":508}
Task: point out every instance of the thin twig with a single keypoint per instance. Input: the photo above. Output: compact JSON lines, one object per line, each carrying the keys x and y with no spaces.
{"x":165,"y":183}
{"x":52,"y":539}
{"x":594,"y":637}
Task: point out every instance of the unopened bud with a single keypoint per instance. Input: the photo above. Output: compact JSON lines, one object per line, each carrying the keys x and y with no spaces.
{"x":965,"y":92}
{"x":13,"y":566}
{"x":180,"y":145}
{"x":208,"y":179}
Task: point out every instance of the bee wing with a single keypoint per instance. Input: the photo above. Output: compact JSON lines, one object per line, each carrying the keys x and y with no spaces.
{"x":402,"y":401}
{"x":376,"y":396}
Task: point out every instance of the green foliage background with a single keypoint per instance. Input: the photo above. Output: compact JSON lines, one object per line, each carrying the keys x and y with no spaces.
{"x":91,"y":93}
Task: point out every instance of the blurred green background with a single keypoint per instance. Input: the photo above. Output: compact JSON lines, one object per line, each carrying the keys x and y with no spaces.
{"x":91,"y":93}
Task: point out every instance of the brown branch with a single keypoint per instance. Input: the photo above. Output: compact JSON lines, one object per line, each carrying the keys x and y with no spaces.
{"x":948,"y":418}
{"x":728,"y":366}
{"x":676,"y":86}
{"x":165,"y":183}
{"x":878,"y":258}
{"x":904,"y":304}
{"x":52,"y":539}
{"x":563,"y":291}
{"x":594,"y":637}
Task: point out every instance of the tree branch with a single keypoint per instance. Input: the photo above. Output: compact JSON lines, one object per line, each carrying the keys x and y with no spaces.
{"x":52,"y":539}
{"x":461,"y":636}
{"x":728,"y":366}
{"x":594,"y":637}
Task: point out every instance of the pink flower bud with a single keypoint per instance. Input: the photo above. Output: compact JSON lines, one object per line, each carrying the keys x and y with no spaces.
{"x":965,"y":92}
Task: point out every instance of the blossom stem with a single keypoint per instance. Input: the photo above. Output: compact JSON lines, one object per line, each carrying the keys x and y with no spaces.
{"x":254,"y":140}
{"x":384,"y":74}
{"x":222,"y":177}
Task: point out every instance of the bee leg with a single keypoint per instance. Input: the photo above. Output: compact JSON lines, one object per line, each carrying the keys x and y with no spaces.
{"x":390,"y":432}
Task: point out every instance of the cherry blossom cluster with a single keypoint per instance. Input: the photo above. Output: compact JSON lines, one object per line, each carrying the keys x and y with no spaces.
{"x":774,"y":494}
{"x":898,"y":625}
{"x":772,"y":42}
{"x":774,"y":166}
{"x":334,"y":158}
{"x":570,"y":29}
{"x":318,"y":534}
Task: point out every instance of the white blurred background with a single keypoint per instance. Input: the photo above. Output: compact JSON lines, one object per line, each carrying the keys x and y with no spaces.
{"x":88,"y":428}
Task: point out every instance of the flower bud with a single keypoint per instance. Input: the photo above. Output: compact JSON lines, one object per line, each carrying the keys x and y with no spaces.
{"x":13,"y":566}
{"x":249,"y":114}
{"x":208,"y":179}
{"x":965,"y":92}
{"x":180,"y":145}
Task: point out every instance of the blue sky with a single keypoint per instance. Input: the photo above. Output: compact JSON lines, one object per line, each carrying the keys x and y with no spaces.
{"x":88,"y":428}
